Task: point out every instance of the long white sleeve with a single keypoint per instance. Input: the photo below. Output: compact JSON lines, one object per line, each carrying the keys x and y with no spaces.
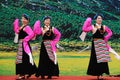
{"x":16,"y":38}
{"x":31,"y":59}
{"x":55,"y":57}
{"x":115,"y":53}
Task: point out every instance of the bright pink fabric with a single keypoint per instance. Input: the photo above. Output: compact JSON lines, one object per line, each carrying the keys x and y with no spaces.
{"x":109,"y":33}
{"x":38,"y":31}
{"x":16,"y":26}
{"x":30,"y":33}
{"x":107,"y":37}
{"x":56,"y":39}
{"x":28,"y":30}
{"x":87,"y":25}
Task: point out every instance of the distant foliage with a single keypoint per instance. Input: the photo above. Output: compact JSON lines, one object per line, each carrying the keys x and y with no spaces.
{"x":67,"y":15}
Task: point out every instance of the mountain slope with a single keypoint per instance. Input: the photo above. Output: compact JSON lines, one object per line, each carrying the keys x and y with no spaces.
{"x":67,"y":15}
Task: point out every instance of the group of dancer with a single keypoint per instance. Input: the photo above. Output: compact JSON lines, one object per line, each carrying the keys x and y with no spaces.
{"x":48,"y":65}
{"x":25,"y":65}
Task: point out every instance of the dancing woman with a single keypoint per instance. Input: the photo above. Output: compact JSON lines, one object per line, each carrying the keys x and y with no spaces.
{"x":25,"y":66}
{"x":99,"y":52}
{"x":48,"y":65}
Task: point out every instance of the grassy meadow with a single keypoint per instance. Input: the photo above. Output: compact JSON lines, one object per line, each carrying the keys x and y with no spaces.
{"x":70,"y":63}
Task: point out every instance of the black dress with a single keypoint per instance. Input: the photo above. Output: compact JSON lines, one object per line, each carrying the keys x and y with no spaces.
{"x":46,"y":66}
{"x":23,"y":65}
{"x":95,"y":68}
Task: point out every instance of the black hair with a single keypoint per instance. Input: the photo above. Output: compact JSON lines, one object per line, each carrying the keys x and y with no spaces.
{"x":26,"y":16}
{"x":46,"y":17}
{"x":98,"y":14}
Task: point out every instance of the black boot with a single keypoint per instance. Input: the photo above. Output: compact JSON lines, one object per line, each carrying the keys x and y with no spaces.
{"x":37,"y":76}
{"x":42,"y":77}
{"x":28,"y":76}
{"x":49,"y":77}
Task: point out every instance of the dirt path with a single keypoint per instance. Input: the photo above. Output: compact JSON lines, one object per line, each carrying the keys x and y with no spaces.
{"x":65,"y":78}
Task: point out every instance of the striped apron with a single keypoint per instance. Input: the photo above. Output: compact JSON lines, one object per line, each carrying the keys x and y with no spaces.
{"x":19,"y":53}
{"x":102,"y":53}
{"x":49,"y":50}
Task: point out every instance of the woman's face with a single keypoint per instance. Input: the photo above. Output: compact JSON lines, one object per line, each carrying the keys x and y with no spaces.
{"x":24,"y":21}
{"x":47,"y":22}
{"x":99,"y":20}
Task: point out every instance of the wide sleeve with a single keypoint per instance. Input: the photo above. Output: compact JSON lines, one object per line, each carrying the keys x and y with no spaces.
{"x":30,"y":35}
{"x":109,"y":33}
{"x":87,"y":25}
{"x":36,"y":28}
{"x":56,"y":39}
{"x":16,"y":26}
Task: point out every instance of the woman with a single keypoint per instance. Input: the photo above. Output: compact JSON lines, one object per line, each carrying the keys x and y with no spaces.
{"x":25,"y":66}
{"x":99,"y":52}
{"x":48,"y":65}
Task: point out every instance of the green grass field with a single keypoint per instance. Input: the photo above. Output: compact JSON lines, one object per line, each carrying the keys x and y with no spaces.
{"x":70,"y":63}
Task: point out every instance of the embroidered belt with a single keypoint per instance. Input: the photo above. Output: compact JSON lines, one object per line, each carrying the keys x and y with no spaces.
{"x":46,"y":40}
{"x":95,"y":39}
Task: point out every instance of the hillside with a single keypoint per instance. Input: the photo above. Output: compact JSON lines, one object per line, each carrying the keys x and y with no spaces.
{"x":67,"y":15}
